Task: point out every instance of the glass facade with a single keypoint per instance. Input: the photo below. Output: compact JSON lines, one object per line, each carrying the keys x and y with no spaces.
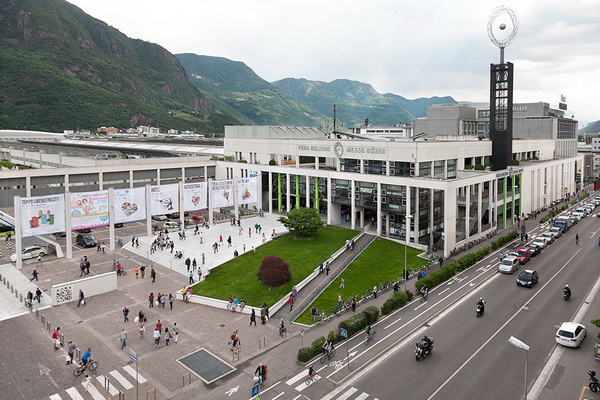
{"x":425,"y":169}
{"x":401,"y":168}
{"x":349,"y":165}
{"x":376,"y":167}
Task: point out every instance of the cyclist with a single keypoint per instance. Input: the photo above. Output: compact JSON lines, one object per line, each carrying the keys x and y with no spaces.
{"x":328,"y":346}
{"x":87,"y":356}
{"x":369,"y":331}
{"x":311,"y":372}
{"x":424,"y":292}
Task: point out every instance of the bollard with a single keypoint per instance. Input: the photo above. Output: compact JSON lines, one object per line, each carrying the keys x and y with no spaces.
{"x":43,"y":320}
{"x":21,"y":298}
{"x":189,"y":376}
{"x":12,"y":289}
{"x":153,"y":390}
{"x":262,"y":342}
{"x":16,"y":293}
{"x":37,"y":312}
{"x":106,"y":383}
{"x":62,"y":339}
{"x":48,"y":326}
{"x":121,"y":395}
{"x":236,"y":353}
{"x":77,"y":355}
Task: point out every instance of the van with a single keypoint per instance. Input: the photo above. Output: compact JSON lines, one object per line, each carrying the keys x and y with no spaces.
{"x":170,"y":225}
{"x":563,"y":223}
{"x":508,"y":265}
{"x":579,"y":213}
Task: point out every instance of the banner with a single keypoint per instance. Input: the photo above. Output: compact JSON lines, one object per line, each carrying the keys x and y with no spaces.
{"x":89,"y":209}
{"x":165,"y":199}
{"x":195,"y":196}
{"x":222,"y":193}
{"x":247,"y":190}
{"x":41,"y":215}
{"x":130,"y":204}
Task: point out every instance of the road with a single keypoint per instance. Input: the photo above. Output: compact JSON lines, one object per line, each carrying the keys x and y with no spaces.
{"x":473,"y":358}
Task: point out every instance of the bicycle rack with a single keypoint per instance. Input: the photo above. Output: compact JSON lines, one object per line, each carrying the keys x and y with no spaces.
{"x":262,"y":342}
{"x":188,"y":375}
{"x":153,"y":390}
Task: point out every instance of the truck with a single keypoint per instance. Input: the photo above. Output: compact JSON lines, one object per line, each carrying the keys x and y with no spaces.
{"x":563,"y":223}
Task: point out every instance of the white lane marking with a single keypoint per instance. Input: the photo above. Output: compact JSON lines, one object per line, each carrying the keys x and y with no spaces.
{"x":548,"y":369}
{"x":398,"y":320}
{"x":124,"y":382}
{"x":95,"y":393}
{"x":55,"y":397}
{"x":363,"y":396}
{"x":129,"y":369}
{"x":297,"y":397}
{"x":271,"y":387}
{"x":348,"y":393}
{"x":111,"y":388}
{"x":74,"y":393}
{"x":440,"y":293}
{"x":303,"y":386}
{"x":279,"y":395}
{"x":301,"y":375}
{"x":502,"y":327}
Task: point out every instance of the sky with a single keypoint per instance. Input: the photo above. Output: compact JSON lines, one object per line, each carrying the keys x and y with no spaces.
{"x":419,"y":48}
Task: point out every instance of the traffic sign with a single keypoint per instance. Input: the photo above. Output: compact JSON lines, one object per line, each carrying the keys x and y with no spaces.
{"x":133,"y":356}
{"x":255,"y":390}
{"x":344,"y":333}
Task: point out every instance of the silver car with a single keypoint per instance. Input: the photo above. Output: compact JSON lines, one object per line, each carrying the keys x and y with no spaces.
{"x":30,"y":252}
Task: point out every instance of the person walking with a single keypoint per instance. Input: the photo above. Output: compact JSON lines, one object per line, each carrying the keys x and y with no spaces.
{"x":87,"y":380}
{"x":153,"y":274}
{"x":136,"y":271}
{"x":375,"y":291}
{"x":167,"y":337}
{"x":203,"y":258}
{"x":282,"y":329}
{"x":151,"y":300}
{"x":253,"y":317}
{"x":159,"y":326}
{"x":141,"y":327}
{"x":327,"y":268}
{"x":156,"y":335}
{"x":576,"y":241}
{"x":125,"y":314}
{"x":81,"y":298}
{"x":201,"y":238}
{"x":263,"y":315}
{"x":229,"y":241}
{"x":441,"y":261}
{"x":163,"y":300}
{"x":340,"y":301}
{"x":188,"y":263}
{"x":194,"y":264}
{"x":70,"y":352}
{"x":291,"y":302}
{"x":353,"y":304}
{"x":175,"y":333}
{"x":123,"y":338}
{"x":313,"y":314}
{"x":143,"y":271}
{"x":171,"y":300}
{"x":34,"y":275}
{"x":39,"y":261}
{"x":56,"y":338}
{"x":29,"y":299}
{"x":342,"y":283}
{"x":38,"y":294}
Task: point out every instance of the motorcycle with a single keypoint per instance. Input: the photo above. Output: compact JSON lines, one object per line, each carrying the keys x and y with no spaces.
{"x":423,"y":350}
{"x":594,"y":384}
{"x":479,"y":310}
{"x":566,"y":294}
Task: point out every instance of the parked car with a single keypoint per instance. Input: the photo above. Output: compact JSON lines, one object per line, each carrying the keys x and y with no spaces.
{"x":571,"y":334}
{"x":159,"y":217}
{"x":508,"y":265}
{"x":30,"y":252}
{"x":540,"y":241}
{"x":169,"y":225}
{"x":198,"y":219}
{"x":6,"y":228}
{"x":176,"y":215}
{"x":86,"y":240}
{"x":527,"y":278}
{"x":83,"y":230}
{"x":549,"y":237}
{"x":523,"y":255}
{"x":556,"y":231}
{"x":119,"y":225}
{"x":534,"y":249}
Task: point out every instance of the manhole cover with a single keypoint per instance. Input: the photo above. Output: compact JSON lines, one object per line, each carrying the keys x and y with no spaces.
{"x":206,"y":366}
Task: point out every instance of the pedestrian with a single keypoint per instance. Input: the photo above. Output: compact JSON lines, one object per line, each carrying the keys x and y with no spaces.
{"x":171,"y":300}
{"x":137,"y":242}
{"x":352,"y":245}
{"x":294,"y":292}
{"x":240,"y":230}
{"x":151,"y":300}
{"x":159,"y":326}
{"x":82,"y":268}
{"x":136,"y":271}
{"x":263,"y":316}
{"x":87,"y":265}
{"x":39,"y":260}
{"x":119,"y":268}
{"x":123,"y":338}
{"x":221,"y":239}
{"x":103,"y":248}
{"x":576,"y":242}
{"x":249,"y":232}
{"x":38,"y":294}
{"x":29,"y":299}
{"x":229,"y":241}
{"x":201,"y":237}
{"x":153,"y":274}
{"x":156,"y":336}
{"x":291,"y":302}
{"x":175,"y":332}
{"x":441,"y":260}
{"x":86,"y":382}
{"x":188,"y":263}
{"x":253,"y":317}
{"x":321,"y":267}
{"x":375,"y":291}
{"x":203,"y":258}
{"x":194,"y":265}
{"x":199,"y":274}
{"x":98,"y":248}
{"x":191,"y":278}
{"x":340,"y":302}
{"x":70,"y":352}
{"x":167,"y":337}
{"x":282,"y":330}
{"x":81,"y":298}
{"x":141,"y":327}
{"x":56,"y":338}
{"x":34,"y":275}
{"x":396,"y":287}
{"x":143,"y":271}
{"x":327,"y":268}
{"x":353,"y":304}
{"x":163,"y":300}
{"x":501,"y":256}
{"x":313,"y":313}
{"x":342,"y":283}
{"x":125,"y":314}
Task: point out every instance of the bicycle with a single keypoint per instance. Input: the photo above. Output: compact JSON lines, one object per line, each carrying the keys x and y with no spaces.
{"x":320,"y":317}
{"x":423,"y":298}
{"x":92,"y":365}
{"x":123,"y":272}
{"x":370,"y":336}
{"x":312,"y":378}
{"x":327,"y":355}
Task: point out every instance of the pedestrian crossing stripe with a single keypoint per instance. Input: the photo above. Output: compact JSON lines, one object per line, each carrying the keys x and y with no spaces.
{"x":111,"y":388}
{"x":74,"y":394}
{"x":55,"y":397}
{"x":124,"y":382}
{"x":129,"y":369}
{"x":95,"y":393}
{"x":72,"y":391}
{"x":303,"y":385}
{"x":348,"y":393}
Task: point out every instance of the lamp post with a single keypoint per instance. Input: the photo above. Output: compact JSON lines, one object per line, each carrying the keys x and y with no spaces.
{"x":521,"y":345}
{"x":406,"y":235}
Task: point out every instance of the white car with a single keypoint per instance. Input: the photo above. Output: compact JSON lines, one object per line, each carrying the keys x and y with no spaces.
{"x":508,"y":265}
{"x":30,"y":252}
{"x":571,"y":334}
{"x":159,"y":218}
{"x":549,"y":236}
{"x":556,"y":231}
{"x":540,"y":241}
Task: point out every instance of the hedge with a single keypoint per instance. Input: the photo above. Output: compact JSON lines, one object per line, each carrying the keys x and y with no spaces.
{"x":504,"y":239}
{"x":305,"y":354}
{"x":358,"y":322}
{"x":398,"y":300}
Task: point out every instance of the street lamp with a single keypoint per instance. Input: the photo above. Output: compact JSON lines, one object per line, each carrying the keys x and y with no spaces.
{"x":521,"y":345}
{"x":406,"y":232}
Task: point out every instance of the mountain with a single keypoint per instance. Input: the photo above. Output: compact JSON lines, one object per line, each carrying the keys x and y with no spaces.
{"x":592,"y":127}
{"x":356,"y":101}
{"x":63,"y":69}
{"x":234,"y":88}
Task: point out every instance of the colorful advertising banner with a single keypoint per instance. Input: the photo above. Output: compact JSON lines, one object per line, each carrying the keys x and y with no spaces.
{"x":41,"y":215}
{"x":222,"y":193}
{"x":195,"y":196}
{"x":130,"y":204}
{"x":89,"y":209}
{"x":247,"y":190}
{"x":165,"y":199}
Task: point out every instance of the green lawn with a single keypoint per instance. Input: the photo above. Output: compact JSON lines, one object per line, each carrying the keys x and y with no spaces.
{"x":238,"y":276}
{"x":382,"y":261}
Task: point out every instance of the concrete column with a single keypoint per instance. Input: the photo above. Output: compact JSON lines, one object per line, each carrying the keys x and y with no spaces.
{"x":416,"y":215}
{"x":379,"y":217}
{"x":297,"y":161}
{"x":100,"y":181}
{"x":431,"y":217}
{"x":449,"y":220}
{"x":130,"y":179}
{"x":18,"y":230}
{"x":479,"y":206}
{"x":111,"y":218}
{"x":308,"y":191}
{"x":68,"y":225}
{"x":317,"y":163}
{"x":235,"y":198}
{"x":329,"y":196}
{"x":270,"y":192}
{"x":158,"y":176}
{"x":27,"y":186}
{"x":352,"y":204}
{"x":259,"y":191}
{"x":66,"y":183}
{"x":148,"y":211}
{"x":467,"y":211}
{"x":210,"y":206}
{"x":408,"y":212}
{"x":287,"y":200}
{"x":206,"y":173}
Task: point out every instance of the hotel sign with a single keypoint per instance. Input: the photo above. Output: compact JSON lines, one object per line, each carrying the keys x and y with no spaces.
{"x":339,"y":149}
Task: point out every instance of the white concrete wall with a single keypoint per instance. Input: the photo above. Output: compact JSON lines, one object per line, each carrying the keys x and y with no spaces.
{"x":94,"y":285}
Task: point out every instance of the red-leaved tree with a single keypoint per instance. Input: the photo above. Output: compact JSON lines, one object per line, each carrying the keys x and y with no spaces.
{"x":274,"y":271}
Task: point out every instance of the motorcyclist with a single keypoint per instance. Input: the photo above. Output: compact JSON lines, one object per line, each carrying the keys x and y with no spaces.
{"x":428,"y":343}
{"x":567,"y":291}
{"x":481,"y":304}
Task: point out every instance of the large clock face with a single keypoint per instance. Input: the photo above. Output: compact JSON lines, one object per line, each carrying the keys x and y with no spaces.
{"x":338,"y":149}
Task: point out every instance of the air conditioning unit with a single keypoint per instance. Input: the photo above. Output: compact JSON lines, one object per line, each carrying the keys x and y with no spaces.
{"x":392,"y":171}
{"x":383,"y":200}
{"x":383,"y":192}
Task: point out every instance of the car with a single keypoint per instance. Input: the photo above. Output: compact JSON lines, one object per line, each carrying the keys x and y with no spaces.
{"x":83,"y":230}
{"x":198,"y":219}
{"x":579,"y":213}
{"x":6,"y":228}
{"x":176,"y":215}
{"x":549,"y":237}
{"x":556,"y":231}
{"x":571,"y":334}
{"x":523,"y":255}
{"x":534,"y":248}
{"x":170,"y":225}
{"x":159,"y":217}
{"x":119,"y":225}
{"x":540,"y":241}
{"x":527,"y":278}
{"x":30,"y":252}
{"x":508,"y":265}
{"x":86,"y":240}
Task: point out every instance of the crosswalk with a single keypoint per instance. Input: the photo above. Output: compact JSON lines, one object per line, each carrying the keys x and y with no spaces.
{"x":349,"y":395}
{"x":103,"y":388}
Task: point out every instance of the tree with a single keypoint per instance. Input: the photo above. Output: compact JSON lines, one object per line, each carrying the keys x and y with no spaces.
{"x":274,"y":271}
{"x":302,"y":221}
